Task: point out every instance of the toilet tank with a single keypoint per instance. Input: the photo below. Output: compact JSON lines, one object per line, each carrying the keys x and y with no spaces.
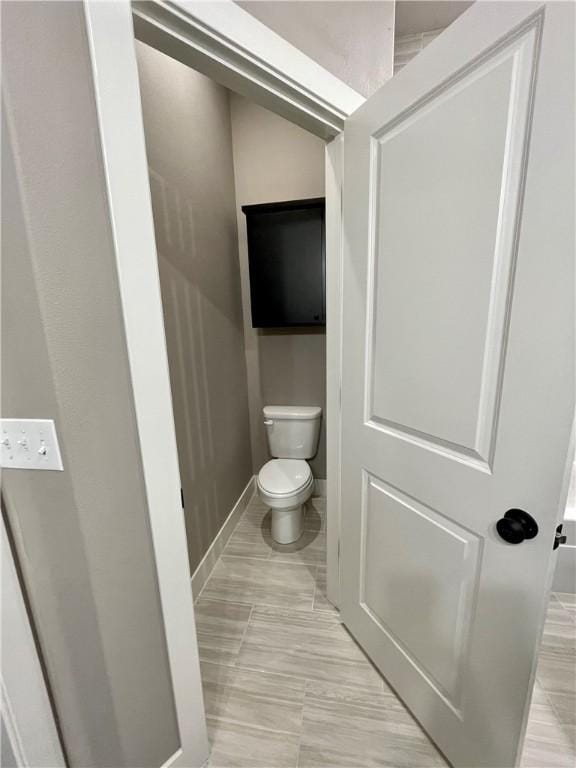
{"x":292,"y":430}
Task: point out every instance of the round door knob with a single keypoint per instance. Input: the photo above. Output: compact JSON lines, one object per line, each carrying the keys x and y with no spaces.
{"x":517,"y":525}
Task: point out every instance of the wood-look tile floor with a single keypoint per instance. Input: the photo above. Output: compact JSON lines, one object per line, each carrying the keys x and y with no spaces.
{"x":285,"y":684}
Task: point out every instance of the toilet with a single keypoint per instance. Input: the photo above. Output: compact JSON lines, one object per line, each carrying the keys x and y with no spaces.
{"x":286,"y":482}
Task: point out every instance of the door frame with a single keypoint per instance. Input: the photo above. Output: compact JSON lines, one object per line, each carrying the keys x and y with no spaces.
{"x":227,"y":44}
{"x":28,"y":722}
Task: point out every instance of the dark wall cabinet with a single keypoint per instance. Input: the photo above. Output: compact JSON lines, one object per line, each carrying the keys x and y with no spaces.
{"x":286,"y":257}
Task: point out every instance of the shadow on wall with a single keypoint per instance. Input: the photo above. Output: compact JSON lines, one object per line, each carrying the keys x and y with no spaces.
{"x":189,"y":146}
{"x":208,"y":380}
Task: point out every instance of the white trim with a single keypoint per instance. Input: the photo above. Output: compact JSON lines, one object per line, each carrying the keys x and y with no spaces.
{"x":204,"y":569}
{"x":175,"y":761}
{"x":111,"y":38}
{"x":226,"y":43}
{"x":334,"y":240}
{"x":26,"y":711}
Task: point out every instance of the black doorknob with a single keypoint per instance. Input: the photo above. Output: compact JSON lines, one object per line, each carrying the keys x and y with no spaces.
{"x":517,"y":525}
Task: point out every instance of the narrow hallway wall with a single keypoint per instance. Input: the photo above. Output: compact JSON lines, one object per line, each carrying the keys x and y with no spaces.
{"x":189,"y":147}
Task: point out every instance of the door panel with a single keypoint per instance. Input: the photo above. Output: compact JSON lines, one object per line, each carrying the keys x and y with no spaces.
{"x":436,"y":576}
{"x":444,"y":284}
{"x":458,"y":363}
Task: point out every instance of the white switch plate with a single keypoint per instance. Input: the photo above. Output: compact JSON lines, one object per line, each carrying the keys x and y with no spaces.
{"x":29,"y":444}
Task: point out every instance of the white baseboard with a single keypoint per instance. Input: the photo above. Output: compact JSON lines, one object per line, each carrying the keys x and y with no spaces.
{"x":204,"y":569}
{"x":320,"y":487}
{"x":175,"y":760}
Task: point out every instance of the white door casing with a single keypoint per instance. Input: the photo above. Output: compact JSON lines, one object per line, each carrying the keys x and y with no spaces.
{"x":27,"y":718}
{"x":226,"y":43}
{"x":458,"y":367}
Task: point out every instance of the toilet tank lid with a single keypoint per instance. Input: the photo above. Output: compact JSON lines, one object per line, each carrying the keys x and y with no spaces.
{"x":301,"y":412}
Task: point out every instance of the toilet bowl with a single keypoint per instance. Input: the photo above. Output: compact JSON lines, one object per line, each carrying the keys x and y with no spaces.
{"x":285,"y":485}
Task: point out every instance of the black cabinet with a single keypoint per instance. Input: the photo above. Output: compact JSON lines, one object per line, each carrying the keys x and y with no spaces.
{"x":286,"y":257}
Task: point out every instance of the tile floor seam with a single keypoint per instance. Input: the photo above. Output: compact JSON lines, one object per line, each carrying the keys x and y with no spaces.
{"x":241,"y":667}
{"x":220,"y":600}
{"x":260,"y":560}
{"x":244,"y":635}
{"x":554,"y":707}
{"x":315,"y":587}
{"x":262,"y":605}
{"x":255,"y":727}
{"x":548,"y":704}
{"x":300,"y":734}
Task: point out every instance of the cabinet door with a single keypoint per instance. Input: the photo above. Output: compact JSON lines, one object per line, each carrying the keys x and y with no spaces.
{"x":286,"y":258}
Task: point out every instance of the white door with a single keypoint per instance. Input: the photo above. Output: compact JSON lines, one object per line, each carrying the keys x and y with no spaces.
{"x":458,"y":367}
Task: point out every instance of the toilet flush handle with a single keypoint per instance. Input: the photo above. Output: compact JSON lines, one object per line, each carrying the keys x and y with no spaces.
{"x":268,"y":422}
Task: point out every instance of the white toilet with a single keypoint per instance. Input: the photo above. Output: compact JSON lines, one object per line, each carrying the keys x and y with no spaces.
{"x":286,"y":482}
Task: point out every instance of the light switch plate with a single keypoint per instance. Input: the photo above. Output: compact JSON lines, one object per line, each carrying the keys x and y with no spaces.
{"x":29,"y":444}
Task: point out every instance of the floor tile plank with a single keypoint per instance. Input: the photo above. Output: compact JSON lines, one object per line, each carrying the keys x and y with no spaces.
{"x":564,"y":706}
{"x":344,"y":732}
{"x":236,"y":745}
{"x":261,"y":582}
{"x":321,"y":602}
{"x":312,"y":645}
{"x":220,"y":627}
{"x":556,"y":675}
{"x":310,"y":549}
{"x":253,"y":698}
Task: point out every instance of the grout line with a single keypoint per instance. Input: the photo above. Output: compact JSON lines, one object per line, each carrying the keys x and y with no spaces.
{"x":220,"y":719}
{"x":244,"y":635}
{"x":299,"y":609}
{"x":257,"y":670}
{"x":548,"y":704}
{"x":300,"y":734}
{"x":221,"y":600}
{"x":315,"y":586}
{"x":262,"y":560}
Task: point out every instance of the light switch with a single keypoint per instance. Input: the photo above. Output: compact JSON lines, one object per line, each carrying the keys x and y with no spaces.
{"x":29,"y":444}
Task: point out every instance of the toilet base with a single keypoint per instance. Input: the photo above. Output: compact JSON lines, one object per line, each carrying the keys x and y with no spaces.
{"x":287,"y":524}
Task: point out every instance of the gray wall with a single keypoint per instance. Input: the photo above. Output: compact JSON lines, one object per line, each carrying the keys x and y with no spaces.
{"x":82,"y":535}
{"x":275,"y":160}
{"x":189,"y":147}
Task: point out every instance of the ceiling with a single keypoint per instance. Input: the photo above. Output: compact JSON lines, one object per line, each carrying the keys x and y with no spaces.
{"x":413,"y":16}
{"x":352,"y":39}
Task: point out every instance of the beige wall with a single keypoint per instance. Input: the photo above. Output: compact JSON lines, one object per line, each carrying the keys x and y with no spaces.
{"x":189,"y":147}
{"x":275,"y":160}
{"x":82,"y":535}
{"x":406,"y":47}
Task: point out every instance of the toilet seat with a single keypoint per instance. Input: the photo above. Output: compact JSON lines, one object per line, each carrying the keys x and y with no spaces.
{"x":280,"y":478}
